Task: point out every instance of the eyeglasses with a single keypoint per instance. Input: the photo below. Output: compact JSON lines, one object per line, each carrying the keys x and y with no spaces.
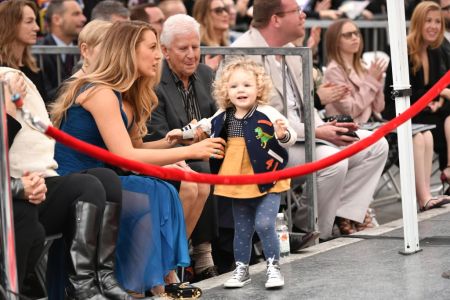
{"x":350,"y":34}
{"x":220,"y":10}
{"x":447,"y":8}
{"x":283,"y":13}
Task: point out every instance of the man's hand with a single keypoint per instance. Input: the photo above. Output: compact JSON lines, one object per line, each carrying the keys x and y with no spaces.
{"x":334,"y":133}
{"x":34,"y":187}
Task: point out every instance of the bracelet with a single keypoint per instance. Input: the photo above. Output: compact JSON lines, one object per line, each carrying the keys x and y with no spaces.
{"x":15,"y":97}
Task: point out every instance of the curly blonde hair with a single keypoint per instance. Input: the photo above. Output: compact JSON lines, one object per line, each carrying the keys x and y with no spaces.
{"x":263,"y":81}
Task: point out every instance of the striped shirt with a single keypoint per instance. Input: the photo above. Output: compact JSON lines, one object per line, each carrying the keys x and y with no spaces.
{"x":188,"y":96}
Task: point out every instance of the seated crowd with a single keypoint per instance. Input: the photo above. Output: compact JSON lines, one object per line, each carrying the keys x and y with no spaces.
{"x":139,"y":90}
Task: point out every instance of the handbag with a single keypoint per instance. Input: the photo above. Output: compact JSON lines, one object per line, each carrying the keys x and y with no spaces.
{"x":182,"y":290}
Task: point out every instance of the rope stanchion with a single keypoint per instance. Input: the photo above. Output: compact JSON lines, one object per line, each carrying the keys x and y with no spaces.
{"x":175,"y":174}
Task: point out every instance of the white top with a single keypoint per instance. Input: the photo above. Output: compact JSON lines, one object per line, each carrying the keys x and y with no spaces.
{"x":32,"y":150}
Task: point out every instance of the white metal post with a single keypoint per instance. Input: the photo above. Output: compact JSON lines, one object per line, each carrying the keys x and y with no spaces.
{"x":400,"y":75}
{"x":7,"y":252}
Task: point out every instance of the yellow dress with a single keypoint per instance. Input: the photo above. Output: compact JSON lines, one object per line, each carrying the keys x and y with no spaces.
{"x":237,"y":162}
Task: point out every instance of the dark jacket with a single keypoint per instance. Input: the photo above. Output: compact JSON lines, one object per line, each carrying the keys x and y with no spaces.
{"x":14,"y":127}
{"x":265,"y":151}
{"x":170,"y":112}
{"x":50,"y":69}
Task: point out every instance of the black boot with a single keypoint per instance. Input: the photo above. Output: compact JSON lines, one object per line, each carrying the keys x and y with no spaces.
{"x":109,"y":230}
{"x":82,"y":251}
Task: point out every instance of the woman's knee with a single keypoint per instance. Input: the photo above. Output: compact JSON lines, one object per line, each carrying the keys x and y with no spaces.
{"x":110,"y":182}
{"x":188,"y":191}
{"x":87,"y":188}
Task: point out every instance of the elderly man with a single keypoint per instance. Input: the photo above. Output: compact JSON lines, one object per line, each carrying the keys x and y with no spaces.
{"x":345,"y":189}
{"x":184,"y":94}
{"x":65,"y":21}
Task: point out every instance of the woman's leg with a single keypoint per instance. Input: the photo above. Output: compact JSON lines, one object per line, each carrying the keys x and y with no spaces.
{"x":421,"y":168}
{"x":109,"y":230}
{"x":29,"y":238}
{"x":74,"y":206}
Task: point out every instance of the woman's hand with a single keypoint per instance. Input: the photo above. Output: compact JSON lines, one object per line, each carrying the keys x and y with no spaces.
{"x":330,"y":92}
{"x":174,"y":136}
{"x":34,"y":187}
{"x":377,"y":68}
{"x":208,"y":148}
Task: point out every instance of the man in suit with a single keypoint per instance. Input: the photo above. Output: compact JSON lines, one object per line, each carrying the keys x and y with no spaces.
{"x":65,"y":20}
{"x":344,"y":189}
{"x":184,"y":94}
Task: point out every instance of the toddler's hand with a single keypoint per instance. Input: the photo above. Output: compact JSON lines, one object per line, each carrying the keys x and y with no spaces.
{"x":280,"y":129}
{"x":174,"y":136}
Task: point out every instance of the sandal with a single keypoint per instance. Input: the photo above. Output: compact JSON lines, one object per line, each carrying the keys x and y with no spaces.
{"x":345,"y":226}
{"x":438,"y":202}
{"x":367,"y":223}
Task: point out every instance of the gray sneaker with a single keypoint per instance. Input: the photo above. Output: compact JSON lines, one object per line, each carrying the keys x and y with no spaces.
{"x":241,"y":276}
{"x":274,"y":277}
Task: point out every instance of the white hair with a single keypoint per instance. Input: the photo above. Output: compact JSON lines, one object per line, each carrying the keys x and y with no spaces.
{"x":179,"y":24}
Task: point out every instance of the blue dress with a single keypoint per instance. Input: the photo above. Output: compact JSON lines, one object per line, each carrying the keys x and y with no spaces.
{"x":152,"y":236}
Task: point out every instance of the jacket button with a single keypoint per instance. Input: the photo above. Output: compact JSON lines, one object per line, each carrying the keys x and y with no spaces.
{"x":245,"y":122}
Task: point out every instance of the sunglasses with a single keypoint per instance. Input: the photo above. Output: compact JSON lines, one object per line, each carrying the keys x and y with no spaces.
{"x":350,"y":34}
{"x":220,"y":10}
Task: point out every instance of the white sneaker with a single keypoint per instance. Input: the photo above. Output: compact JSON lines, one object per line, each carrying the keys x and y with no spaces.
{"x":274,"y":277}
{"x":241,"y":276}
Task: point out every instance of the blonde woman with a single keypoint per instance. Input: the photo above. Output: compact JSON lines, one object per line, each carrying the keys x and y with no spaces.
{"x":109,"y":107}
{"x":89,"y":41}
{"x":214,"y":19}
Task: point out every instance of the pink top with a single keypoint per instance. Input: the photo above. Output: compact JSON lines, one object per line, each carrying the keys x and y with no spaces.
{"x":366,"y":94}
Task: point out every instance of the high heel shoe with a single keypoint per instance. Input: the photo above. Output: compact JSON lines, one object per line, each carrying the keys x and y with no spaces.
{"x":445,"y":179}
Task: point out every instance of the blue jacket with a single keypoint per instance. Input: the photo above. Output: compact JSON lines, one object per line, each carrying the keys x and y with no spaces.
{"x":266,"y":152}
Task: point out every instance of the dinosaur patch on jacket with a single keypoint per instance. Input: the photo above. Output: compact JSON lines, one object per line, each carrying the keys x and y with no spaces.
{"x":264,"y":137}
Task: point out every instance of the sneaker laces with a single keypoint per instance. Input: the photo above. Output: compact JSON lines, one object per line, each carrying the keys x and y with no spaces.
{"x":273,"y":270}
{"x":240,"y":270}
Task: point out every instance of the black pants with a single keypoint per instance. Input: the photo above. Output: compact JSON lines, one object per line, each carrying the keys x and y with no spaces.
{"x":33,"y":222}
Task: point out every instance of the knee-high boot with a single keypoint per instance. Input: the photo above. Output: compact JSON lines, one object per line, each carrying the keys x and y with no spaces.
{"x":82,"y":251}
{"x":109,"y":230}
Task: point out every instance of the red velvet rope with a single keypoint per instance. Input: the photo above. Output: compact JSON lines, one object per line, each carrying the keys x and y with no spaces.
{"x":175,"y":174}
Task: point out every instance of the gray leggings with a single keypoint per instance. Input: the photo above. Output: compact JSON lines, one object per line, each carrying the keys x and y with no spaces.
{"x":258,"y":214}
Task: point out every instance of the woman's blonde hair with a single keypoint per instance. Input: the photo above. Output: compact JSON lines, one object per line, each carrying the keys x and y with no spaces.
{"x":202,"y":13}
{"x":116,"y":68}
{"x":332,"y":42}
{"x":263,"y":81}
{"x":11,"y":14}
{"x":415,"y":38}
{"x":93,"y":33}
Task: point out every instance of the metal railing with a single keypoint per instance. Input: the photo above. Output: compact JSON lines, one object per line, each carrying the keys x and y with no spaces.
{"x":303,"y":54}
{"x":8,"y":269}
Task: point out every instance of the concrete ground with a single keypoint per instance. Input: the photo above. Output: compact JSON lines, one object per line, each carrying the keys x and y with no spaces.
{"x":369,"y":267}
{"x":363,"y":266}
